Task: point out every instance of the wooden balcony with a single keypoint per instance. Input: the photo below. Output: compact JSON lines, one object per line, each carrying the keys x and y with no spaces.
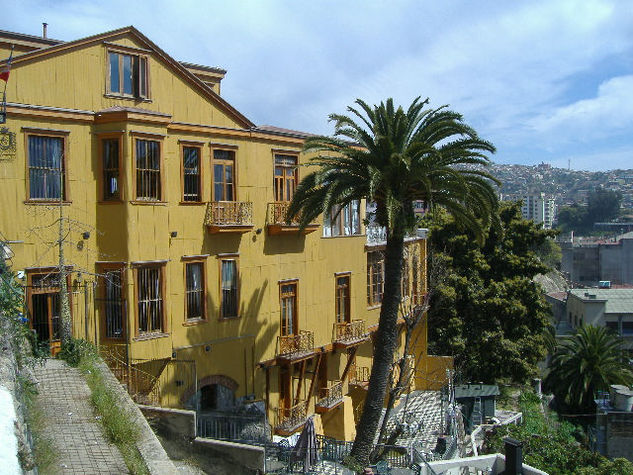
{"x":295,"y":347}
{"x":291,"y":419}
{"x":276,"y":220}
{"x":332,"y":397}
{"x":359,"y":378}
{"x":348,"y":334}
{"x":229,"y":216}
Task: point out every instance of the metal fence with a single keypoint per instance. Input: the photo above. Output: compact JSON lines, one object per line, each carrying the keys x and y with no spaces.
{"x":235,"y":427}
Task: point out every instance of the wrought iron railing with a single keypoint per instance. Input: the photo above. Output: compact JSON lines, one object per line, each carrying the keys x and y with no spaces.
{"x":235,"y":427}
{"x":350,"y":331}
{"x":277,"y":212}
{"x":360,"y":376}
{"x":303,"y":342}
{"x":229,"y":213}
{"x":331,"y":396}
{"x":289,"y":418}
{"x":375,"y":234}
{"x":142,"y":387}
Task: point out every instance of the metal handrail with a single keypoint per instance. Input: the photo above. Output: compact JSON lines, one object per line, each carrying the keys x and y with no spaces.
{"x":350,"y":331}
{"x":302,"y":342}
{"x":333,"y":394}
{"x":291,"y":417}
{"x":229,"y":213}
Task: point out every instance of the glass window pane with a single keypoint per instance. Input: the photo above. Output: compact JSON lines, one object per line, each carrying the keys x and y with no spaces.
{"x":114,"y":73}
{"x":127,"y":74}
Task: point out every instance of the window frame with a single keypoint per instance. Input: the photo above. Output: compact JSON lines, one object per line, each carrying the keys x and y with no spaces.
{"x":199,"y":260}
{"x":102,"y":182}
{"x":375,"y":299}
{"x":334,"y":219}
{"x":136,"y":136}
{"x":284,"y":180}
{"x":224,"y":161}
{"x":48,"y":133}
{"x":199,"y":147}
{"x":102,"y":269}
{"x":337,"y":296}
{"x":295,"y":317}
{"x":141,"y":57}
{"x":229,"y":258}
{"x":137,"y":266}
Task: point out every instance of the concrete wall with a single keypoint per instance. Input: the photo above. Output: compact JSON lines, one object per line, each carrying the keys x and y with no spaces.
{"x":620,"y":435}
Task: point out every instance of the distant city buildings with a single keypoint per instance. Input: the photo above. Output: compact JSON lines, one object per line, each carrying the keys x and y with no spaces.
{"x":537,"y":207}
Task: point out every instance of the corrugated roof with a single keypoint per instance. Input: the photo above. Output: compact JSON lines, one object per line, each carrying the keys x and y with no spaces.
{"x":476,"y":390}
{"x":616,"y":300}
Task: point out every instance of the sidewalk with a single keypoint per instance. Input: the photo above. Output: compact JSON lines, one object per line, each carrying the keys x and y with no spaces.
{"x":71,"y":422}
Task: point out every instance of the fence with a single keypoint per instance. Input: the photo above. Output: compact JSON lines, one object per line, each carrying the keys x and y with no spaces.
{"x":245,"y":428}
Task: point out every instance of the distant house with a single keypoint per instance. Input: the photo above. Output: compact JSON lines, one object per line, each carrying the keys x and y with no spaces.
{"x":614,"y":423}
{"x":478,"y":402}
{"x":611,"y":308}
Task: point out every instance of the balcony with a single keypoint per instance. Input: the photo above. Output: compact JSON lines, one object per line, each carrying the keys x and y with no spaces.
{"x":295,"y":347}
{"x":348,"y":334}
{"x":332,"y":397}
{"x":229,"y":217}
{"x":359,"y":377}
{"x":276,"y":220}
{"x":291,"y":419}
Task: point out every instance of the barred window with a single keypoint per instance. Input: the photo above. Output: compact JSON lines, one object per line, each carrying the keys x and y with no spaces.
{"x":195,"y":290}
{"x":191,"y":174}
{"x":149,"y":282}
{"x":113,"y":302}
{"x":148,"y":182}
{"x":229,"y":286}
{"x":46,"y":168}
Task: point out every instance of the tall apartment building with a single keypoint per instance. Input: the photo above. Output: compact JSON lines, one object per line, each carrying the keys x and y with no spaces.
{"x":539,"y":208}
{"x":180,"y":262}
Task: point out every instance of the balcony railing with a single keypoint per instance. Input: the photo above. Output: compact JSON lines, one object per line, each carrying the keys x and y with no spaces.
{"x":276,"y":220}
{"x":360,"y":376}
{"x":332,"y":397}
{"x":229,"y":216}
{"x":295,"y":346}
{"x":375,"y":234}
{"x":289,"y":419}
{"x":349,"y":333}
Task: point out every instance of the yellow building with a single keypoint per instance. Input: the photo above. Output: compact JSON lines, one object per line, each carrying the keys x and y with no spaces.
{"x":172,"y":204}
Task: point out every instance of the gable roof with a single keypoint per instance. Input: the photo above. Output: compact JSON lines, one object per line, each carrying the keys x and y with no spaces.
{"x":616,"y":300}
{"x":180,"y":69}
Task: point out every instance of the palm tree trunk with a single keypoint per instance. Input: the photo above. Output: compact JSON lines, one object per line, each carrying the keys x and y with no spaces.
{"x":385,"y":344}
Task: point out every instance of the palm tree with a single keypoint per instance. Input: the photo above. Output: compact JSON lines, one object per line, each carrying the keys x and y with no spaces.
{"x":585,"y":363}
{"x":392,"y":157}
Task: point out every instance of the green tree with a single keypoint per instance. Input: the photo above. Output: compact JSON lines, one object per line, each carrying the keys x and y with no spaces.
{"x":392,"y":157}
{"x":485,"y":310}
{"x":585,"y":363}
{"x":603,"y":205}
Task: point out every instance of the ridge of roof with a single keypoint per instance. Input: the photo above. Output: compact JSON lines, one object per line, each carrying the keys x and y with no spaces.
{"x":33,"y":55}
{"x":202,"y":67}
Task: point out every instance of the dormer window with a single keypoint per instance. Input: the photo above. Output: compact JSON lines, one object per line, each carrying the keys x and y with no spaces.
{"x":127,"y":75}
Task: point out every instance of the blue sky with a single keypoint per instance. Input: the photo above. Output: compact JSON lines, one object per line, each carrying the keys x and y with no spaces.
{"x":544,"y":80}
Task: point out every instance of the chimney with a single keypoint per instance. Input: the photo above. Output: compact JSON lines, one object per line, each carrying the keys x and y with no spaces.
{"x":514,"y":456}
{"x":44,"y":26}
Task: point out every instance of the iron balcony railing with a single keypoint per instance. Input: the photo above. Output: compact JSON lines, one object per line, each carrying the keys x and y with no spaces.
{"x":290,"y":418}
{"x":277,"y":212}
{"x":290,"y":345}
{"x":360,"y":376}
{"x":229,"y":213}
{"x":331,"y":396}
{"x":349,"y":332}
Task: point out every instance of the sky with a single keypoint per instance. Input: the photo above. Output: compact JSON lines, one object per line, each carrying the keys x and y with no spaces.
{"x":544,"y":80}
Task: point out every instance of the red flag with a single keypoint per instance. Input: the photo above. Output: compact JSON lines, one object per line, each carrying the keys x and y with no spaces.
{"x":6,"y":69}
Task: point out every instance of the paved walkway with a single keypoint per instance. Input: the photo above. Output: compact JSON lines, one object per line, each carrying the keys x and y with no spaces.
{"x":70,"y":421}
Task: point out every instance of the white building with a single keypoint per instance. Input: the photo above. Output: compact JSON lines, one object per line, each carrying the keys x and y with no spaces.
{"x":539,"y":208}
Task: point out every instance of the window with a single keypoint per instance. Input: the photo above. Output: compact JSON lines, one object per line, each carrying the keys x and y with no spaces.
{"x":285,"y":177}
{"x":149,"y":296}
{"x":191,"y":182}
{"x":148,"y":181}
{"x":111,"y":166}
{"x":343,"y":223}
{"x":288,"y":304}
{"x":195,"y":291}
{"x":223,"y":175}
{"x":613,"y":326}
{"x":112,"y":302}
{"x":627,"y":328}
{"x":342,"y":299}
{"x":47,"y":174}
{"x":228,"y":285}
{"x":128,"y":75}
{"x":375,"y":277}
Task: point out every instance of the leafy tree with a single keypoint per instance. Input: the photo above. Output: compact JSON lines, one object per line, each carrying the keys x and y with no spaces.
{"x":572,"y":218}
{"x":588,"y":361}
{"x":603,"y":205}
{"x":486,"y":311}
{"x":392,"y":157}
